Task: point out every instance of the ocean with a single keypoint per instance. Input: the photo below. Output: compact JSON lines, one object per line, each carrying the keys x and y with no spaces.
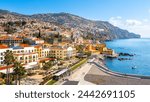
{"x":138,"y":64}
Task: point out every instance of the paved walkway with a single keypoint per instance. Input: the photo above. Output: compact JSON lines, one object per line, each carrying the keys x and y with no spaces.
{"x":79,"y":75}
{"x":100,"y":77}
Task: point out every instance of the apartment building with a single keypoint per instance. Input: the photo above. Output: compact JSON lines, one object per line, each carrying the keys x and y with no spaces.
{"x":26,"y":54}
{"x":62,"y":53}
{"x":10,"y":40}
{"x":46,"y":52}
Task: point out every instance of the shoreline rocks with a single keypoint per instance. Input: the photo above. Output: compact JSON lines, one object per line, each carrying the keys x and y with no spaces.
{"x":126,"y":54}
{"x":120,"y":59}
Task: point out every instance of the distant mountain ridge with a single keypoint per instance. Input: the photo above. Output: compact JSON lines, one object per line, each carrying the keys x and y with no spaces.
{"x":87,"y":28}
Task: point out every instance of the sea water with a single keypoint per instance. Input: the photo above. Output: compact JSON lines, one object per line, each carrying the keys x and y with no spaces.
{"x":138,"y":64}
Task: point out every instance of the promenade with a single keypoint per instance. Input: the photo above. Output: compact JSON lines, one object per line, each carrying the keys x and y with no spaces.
{"x":77,"y":76}
{"x":97,"y":73}
{"x":100,"y":75}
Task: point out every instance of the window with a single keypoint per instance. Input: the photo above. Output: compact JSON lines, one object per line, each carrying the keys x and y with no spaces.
{"x":26,"y":57}
{"x":2,"y":54}
{"x":21,"y":58}
{"x":1,"y":58}
{"x":1,"y":62}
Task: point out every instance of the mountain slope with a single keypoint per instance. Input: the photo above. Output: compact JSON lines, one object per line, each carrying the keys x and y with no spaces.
{"x":97,"y":28}
{"x":87,"y":28}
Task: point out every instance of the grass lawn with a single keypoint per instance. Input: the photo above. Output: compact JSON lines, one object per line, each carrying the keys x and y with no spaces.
{"x":51,"y":82}
{"x":78,"y":64}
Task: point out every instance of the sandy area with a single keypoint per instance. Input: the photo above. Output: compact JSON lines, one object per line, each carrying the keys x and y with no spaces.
{"x":96,"y":76}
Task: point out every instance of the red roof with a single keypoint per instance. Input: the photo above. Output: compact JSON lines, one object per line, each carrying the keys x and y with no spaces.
{"x":24,"y":45}
{"x":9,"y":37}
{"x":5,"y":67}
{"x":37,"y":46}
{"x":3,"y":46}
{"x":45,"y":59}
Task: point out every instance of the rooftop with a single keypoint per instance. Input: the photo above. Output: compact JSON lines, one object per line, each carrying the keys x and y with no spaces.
{"x":61,"y":72}
{"x":9,"y":38}
{"x":24,"y":45}
{"x":3,"y":46}
{"x":45,"y":59}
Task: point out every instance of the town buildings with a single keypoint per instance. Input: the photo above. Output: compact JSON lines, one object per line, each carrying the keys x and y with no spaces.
{"x":99,"y":49}
{"x":34,"y":55}
{"x":10,"y":40}
{"x":63,"y":52}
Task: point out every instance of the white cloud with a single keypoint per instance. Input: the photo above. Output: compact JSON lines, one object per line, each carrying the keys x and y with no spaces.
{"x":116,"y":21}
{"x":141,"y":27}
{"x":145,"y":20}
{"x":132,"y":22}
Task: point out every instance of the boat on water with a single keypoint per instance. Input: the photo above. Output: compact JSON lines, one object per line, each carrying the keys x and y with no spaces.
{"x":134,"y":67}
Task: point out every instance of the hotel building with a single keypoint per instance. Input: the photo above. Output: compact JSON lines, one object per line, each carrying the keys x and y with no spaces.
{"x":62,"y":53}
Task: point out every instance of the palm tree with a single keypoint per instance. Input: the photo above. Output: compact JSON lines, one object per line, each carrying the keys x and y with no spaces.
{"x":8,"y":60}
{"x":19,"y":71}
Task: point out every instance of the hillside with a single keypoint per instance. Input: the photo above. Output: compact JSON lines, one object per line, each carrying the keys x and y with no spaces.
{"x":89,"y":29}
{"x":97,"y":28}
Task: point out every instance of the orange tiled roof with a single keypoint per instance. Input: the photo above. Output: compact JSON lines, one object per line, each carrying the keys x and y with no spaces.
{"x":5,"y":67}
{"x":37,"y":46}
{"x":3,"y":46}
{"x":9,"y":37}
{"x":45,"y":59}
{"x":36,"y":39}
{"x":24,"y":45}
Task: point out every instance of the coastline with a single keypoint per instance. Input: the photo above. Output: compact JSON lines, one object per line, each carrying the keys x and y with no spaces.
{"x":134,"y":56}
{"x":101,"y":75}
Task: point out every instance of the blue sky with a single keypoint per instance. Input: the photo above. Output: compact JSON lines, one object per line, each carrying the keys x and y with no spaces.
{"x":127,"y":14}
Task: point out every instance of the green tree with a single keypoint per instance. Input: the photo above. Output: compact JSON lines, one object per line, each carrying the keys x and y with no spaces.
{"x":47,"y":66}
{"x":8,"y":60}
{"x":88,"y":53}
{"x":19,"y":71}
{"x":80,"y":48}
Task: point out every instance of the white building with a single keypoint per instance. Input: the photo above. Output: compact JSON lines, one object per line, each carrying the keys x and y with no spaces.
{"x":45,"y":52}
{"x":26,"y":55}
{"x":23,"y":53}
